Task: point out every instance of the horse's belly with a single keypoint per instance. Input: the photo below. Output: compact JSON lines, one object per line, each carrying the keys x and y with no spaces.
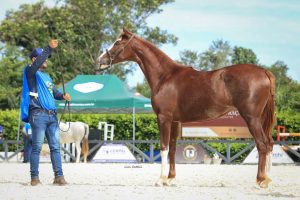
{"x":201,"y":113}
{"x":67,"y":140}
{"x":72,"y":136}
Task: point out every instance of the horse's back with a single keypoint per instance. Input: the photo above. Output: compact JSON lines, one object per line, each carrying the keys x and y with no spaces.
{"x":244,"y":69}
{"x":75,"y":133}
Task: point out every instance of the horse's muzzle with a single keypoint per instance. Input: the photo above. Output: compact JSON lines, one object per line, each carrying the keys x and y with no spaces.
{"x":103,"y":67}
{"x":102,"y":64}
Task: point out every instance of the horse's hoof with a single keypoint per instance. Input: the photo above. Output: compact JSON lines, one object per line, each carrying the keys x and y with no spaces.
{"x":161,"y":182}
{"x":265,"y":183}
{"x":157,"y":184}
{"x":169,"y":181}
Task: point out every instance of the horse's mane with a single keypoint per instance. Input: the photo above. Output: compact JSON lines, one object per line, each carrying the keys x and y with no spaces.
{"x":161,"y":53}
{"x":157,"y":50}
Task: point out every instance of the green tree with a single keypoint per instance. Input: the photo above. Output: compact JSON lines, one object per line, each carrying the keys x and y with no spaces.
{"x":191,"y":58}
{"x":11,"y":66}
{"x":287,"y":90}
{"x":241,"y":55}
{"x":217,"y":56}
{"x":144,"y":89}
{"x":83,"y":28}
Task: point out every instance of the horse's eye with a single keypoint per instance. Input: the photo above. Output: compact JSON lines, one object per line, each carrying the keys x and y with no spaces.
{"x":117,"y":42}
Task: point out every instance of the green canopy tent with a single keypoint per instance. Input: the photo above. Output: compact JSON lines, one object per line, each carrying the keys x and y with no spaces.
{"x":104,"y":94}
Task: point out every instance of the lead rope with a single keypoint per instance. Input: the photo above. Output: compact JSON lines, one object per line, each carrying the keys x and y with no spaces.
{"x":64,"y":93}
{"x":63,"y":84}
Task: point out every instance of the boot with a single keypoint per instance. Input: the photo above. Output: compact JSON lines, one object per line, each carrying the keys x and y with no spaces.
{"x":60,"y":180}
{"x":35,"y":182}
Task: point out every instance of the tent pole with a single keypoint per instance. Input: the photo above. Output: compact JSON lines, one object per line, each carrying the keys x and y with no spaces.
{"x":133,"y":124}
{"x":18,"y":135}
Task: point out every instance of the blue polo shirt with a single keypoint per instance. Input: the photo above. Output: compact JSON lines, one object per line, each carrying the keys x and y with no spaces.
{"x":41,"y":83}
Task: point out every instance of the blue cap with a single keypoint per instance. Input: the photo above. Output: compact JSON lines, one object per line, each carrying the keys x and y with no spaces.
{"x":36,"y":52}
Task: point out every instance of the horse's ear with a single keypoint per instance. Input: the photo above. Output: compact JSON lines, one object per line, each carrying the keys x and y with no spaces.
{"x":126,"y":32}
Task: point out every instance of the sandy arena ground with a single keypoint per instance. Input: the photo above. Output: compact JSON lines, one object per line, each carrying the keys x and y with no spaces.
{"x":136,"y":181}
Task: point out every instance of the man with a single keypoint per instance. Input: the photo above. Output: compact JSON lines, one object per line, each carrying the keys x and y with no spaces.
{"x":37,"y":103}
{"x":27,"y":138}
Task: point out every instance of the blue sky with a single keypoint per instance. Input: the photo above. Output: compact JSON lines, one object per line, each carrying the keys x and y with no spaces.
{"x":271,"y":28}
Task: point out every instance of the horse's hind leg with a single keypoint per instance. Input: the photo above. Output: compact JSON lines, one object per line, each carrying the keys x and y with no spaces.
{"x":78,"y":151}
{"x":262,"y":143}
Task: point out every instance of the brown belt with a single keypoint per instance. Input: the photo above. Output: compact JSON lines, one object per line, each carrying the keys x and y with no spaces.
{"x":49,"y":112}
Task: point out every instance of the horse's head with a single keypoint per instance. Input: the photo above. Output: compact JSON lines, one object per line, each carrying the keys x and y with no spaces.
{"x":119,"y":51}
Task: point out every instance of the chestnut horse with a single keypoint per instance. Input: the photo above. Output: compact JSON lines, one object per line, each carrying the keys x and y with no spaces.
{"x":181,"y":94}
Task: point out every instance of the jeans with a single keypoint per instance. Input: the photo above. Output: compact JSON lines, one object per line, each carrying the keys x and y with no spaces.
{"x":27,"y":147}
{"x":43,"y":123}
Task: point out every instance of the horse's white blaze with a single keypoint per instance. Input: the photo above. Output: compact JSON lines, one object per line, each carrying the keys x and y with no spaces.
{"x":102,"y":54}
{"x":109,"y":48}
{"x":103,"y":66}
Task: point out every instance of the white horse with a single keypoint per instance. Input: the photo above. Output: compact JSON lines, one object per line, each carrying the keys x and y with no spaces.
{"x":77,"y":132}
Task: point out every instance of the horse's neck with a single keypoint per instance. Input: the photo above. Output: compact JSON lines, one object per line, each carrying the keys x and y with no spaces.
{"x":155,"y":65}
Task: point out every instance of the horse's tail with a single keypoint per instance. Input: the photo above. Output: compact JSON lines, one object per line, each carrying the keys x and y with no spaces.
{"x":85,"y":143}
{"x":268,"y":117}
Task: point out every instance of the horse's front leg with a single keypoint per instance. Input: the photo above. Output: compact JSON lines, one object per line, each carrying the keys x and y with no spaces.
{"x":176,"y":126}
{"x":164,"y":123}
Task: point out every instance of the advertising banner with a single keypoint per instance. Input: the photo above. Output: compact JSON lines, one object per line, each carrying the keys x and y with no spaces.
{"x":114,"y":153}
{"x":230,"y":125}
{"x":190,"y":153}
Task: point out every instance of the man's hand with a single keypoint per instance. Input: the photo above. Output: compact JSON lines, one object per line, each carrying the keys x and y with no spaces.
{"x":67,"y":97}
{"x":53,"y":43}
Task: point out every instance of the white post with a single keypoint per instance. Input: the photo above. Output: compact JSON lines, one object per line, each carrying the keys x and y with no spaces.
{"x":104,"y":129}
